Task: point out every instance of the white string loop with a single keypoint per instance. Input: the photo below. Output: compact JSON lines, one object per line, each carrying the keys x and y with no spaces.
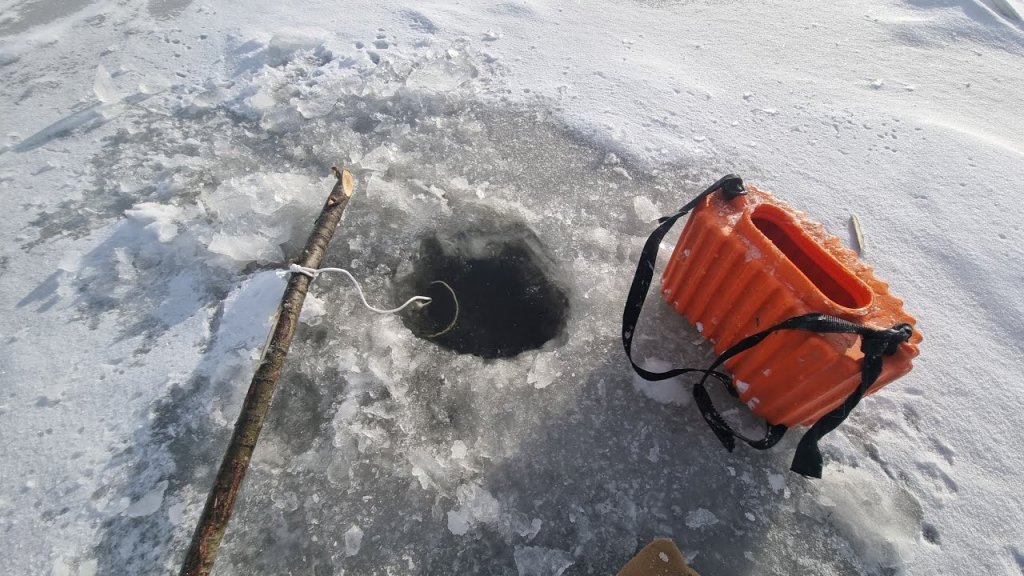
{"x":314,"y":272}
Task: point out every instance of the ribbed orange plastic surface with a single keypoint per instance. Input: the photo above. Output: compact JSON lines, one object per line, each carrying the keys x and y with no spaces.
{"x":744,"y":265}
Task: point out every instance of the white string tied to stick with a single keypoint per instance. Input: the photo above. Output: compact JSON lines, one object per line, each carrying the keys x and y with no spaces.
{"x":419,"y":301}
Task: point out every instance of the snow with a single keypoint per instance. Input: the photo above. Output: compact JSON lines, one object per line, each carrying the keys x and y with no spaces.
{"x":160,"y":162}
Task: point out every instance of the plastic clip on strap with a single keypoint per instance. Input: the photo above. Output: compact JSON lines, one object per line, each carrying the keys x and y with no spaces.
{"x":874,"y":344}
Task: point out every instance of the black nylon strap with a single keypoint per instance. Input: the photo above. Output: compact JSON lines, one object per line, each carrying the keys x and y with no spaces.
{"x":732,"y":186}
{"x":807,"y":460}
{"x":874,"y":344}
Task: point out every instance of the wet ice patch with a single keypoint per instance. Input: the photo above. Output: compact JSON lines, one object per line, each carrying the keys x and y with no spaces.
{"x":249,"y":311}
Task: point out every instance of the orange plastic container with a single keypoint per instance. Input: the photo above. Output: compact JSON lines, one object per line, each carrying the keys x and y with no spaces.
{"x":746,"y":264}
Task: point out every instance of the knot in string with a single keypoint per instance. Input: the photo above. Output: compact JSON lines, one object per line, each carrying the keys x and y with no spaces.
{"x":313,"y":273}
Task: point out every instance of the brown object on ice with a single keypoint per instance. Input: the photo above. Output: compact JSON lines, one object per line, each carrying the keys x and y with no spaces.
{"x":220,"y":503}
{"x":659,"y":558}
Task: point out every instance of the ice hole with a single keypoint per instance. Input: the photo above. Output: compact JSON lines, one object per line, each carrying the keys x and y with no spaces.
{"x":506,"y":289}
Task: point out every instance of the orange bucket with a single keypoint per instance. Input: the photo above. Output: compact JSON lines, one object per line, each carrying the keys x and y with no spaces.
{"x":745,"y":264}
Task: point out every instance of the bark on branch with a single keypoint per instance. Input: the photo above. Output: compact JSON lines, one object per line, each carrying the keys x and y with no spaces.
{"x":221,"y":501}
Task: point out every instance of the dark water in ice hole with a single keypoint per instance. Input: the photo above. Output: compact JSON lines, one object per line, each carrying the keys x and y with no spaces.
{"x":505,"y":299}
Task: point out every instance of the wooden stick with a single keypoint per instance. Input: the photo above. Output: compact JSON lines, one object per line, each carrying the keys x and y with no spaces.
{"x":221,"y":501}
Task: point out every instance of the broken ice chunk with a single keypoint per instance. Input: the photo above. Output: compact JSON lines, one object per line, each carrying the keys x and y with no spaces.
{"x":645,"y":210}
{"x":701,"y":518}
{"x":537,"y":561}
{"x":476,"y":506}
{"x":104,"y":87}
{"x":543,"y":372}
{"x":285,"y":44}
{"x":353,"y":540}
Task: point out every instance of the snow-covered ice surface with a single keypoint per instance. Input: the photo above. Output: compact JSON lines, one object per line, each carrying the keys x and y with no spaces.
{"x":161,"y":160}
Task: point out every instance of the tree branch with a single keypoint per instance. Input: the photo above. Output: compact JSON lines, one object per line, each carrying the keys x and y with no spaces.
{"x":221,"y":501}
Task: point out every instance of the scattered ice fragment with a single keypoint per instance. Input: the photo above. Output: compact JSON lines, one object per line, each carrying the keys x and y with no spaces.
{"x":459,"y":183}
{"x":248,"y":311}
{"x":535,"y":526}
{"x":104,"y":87}
{"x":287,"y":501}
{"x":777,"y":482}
{"x":459,"y":450}
{"x":701,"y":518}
{"x":88,"y":567}
{"x":622,"y":172}
{"x":61,"y":568}
{"x":877,"y":83}
{"x":442,"y":74}
{"x":426,"y":468}
{"x":149,"y":503}
{"x":669,"y":391}
{"x":645,"y":209}
{"x":458,"y":522}
{"x":476,"y":506}
{"x":285,"y":44}
{"x":353,"y":540}
{"x":160,"y":219}
{"x":255,"y":213}
{"x":749,"y":516}
{"x":491,"y":35}
{"x":742,"y":386}
{"x":313,"y":310}
{"x":537,"y":561}
{"x":543,"y":372}
{"x":700,"y":327}
{"x":663,"y":557}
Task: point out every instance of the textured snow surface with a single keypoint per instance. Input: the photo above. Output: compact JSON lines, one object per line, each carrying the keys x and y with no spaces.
{"x":160,"y":161}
